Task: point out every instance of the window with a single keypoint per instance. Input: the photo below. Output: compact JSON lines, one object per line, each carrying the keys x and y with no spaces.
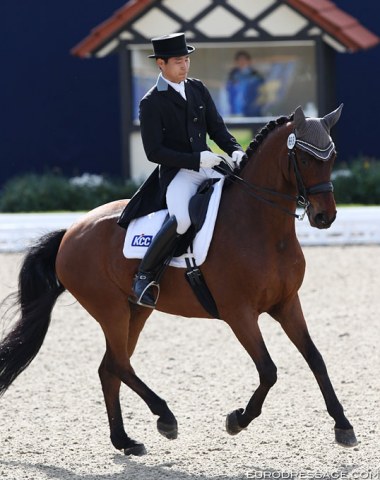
{"x":249,"y":83}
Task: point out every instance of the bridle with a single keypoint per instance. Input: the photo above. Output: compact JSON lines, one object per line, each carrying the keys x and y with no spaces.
{"x":301,"y":199}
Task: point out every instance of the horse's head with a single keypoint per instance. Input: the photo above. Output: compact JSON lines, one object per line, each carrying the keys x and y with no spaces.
{"x":313,"y":153}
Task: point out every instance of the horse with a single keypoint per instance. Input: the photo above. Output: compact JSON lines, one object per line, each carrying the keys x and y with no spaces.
{"x":254,"y":265}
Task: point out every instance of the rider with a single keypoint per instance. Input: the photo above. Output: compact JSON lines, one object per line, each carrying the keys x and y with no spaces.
{"x":175,"y":116}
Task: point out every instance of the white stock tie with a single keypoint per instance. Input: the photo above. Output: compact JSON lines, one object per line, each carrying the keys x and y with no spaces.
{"x":178,"y":87}
{"x":181,"y":90}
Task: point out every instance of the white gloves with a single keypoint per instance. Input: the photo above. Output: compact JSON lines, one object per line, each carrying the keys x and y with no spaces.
{"x":209,"y":159}
{"x":237,"y":157}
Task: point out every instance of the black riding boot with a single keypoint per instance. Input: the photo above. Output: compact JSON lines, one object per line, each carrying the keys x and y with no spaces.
{"x":158,"y":255}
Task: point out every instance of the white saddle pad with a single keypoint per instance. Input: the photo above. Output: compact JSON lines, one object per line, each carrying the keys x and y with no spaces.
{"x":141,"y":231}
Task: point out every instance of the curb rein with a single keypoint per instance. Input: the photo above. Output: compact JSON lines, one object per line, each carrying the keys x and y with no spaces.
{"x":301,"y":199}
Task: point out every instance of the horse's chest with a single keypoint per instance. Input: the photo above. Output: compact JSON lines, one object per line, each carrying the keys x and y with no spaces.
{"x":290,"y":266}
{"x":282,"y":246}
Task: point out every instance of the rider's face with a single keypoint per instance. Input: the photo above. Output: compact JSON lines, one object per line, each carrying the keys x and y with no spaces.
{"x":176,"y":68}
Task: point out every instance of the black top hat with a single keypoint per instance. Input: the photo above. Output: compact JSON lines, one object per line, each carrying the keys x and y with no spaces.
{"x":173,"y":45}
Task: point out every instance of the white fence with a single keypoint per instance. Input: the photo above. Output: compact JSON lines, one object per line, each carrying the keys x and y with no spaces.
{"x":353,"y":226}
{"x":18,"y":230}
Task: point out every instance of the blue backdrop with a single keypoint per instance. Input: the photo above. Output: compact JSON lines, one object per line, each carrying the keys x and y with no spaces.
{"x":358,"y":80}
{"x":58,"y":112}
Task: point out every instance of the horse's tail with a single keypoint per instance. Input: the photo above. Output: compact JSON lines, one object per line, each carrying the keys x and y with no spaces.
{"x":37,"y":293}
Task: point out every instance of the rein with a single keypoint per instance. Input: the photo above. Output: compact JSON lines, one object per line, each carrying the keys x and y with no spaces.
{"x":254,"y":190}
{"x":301,"y":199}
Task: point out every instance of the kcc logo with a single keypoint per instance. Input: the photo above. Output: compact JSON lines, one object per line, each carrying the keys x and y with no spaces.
{"x":141,"y":240}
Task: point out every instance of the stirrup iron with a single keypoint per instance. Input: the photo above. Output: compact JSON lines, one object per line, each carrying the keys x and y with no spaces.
{"x":152,"y":284}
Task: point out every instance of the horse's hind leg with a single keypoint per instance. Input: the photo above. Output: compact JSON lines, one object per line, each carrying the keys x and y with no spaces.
{"x":111,"y":388}
{"x":121,"y":334}
{"x":293,"y":322}
{"x":111,"y":385}
{"x":248,"y":333}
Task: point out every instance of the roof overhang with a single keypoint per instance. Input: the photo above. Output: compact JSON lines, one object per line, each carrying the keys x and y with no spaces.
{"x":139,"y":20}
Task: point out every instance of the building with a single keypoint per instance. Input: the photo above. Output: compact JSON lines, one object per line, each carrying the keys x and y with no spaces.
{"x":61,"y":112}
{"x":289,"y":48}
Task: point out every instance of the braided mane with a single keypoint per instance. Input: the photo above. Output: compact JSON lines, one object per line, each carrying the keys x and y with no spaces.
{"x":263,"y":133}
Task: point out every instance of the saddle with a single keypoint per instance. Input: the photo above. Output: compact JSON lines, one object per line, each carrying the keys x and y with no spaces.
{"x":198,"y":206}
{"x":192,"y":247}
{"x":198,"y":209}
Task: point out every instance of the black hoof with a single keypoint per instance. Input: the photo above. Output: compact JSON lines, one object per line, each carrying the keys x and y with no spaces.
{"x":168,"y":430}
{"x":345,"y":438}
{"x":136,"y":449}
{"x":232,"y":424}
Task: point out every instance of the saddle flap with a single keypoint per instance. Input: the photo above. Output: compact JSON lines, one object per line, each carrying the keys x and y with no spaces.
{"x":141,"y":230}
{"x":198,"y":204}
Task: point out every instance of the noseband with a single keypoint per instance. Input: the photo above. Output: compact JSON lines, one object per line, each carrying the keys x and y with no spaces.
{"x":303,"y":192}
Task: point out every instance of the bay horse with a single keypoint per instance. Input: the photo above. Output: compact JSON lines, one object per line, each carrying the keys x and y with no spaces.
{"x":255,"y":264}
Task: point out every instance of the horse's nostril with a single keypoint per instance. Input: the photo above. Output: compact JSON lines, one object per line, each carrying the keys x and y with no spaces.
{"x":322,"y":220}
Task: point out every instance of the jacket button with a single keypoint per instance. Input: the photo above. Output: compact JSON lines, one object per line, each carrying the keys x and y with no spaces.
{"x":191,"y":139}
{"x":199,"y":135}
{"x":195,"y":119}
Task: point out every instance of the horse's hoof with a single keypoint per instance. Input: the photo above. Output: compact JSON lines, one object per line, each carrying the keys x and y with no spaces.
{"x":232,"y":424}
{"x":137,"y":449}
{"x":345,"y":438}
{"x":168,"y":430}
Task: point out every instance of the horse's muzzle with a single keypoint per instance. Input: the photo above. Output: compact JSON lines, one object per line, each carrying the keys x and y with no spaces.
{"x":322,"y":220}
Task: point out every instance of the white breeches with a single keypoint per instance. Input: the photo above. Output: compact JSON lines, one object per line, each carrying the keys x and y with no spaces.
{"x":183,"y":186}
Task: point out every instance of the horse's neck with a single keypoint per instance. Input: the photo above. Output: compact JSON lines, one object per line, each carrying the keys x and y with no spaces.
{"x":267,"y":168}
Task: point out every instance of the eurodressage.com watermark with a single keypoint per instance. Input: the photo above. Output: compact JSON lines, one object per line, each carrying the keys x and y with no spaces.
{"x":310,"y":475}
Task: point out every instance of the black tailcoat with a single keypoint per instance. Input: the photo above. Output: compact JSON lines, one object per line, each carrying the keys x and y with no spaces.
{"x":173,"y":132}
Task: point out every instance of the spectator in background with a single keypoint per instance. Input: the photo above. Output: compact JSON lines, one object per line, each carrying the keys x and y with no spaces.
{"x":242,"y":86}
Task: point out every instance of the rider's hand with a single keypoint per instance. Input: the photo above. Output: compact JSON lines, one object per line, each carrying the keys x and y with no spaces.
{"x":209,"y":159}
{"x":237,"y":156}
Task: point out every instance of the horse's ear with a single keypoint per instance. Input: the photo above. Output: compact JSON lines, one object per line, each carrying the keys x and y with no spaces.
{"x":330,"y":119}
{"x":299,"y":120}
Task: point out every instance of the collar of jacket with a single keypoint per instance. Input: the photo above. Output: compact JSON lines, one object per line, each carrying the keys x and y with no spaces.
{"x":163,"y":86}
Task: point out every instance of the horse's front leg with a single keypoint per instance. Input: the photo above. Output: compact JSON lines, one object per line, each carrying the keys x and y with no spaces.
{"x":248,"y":333}
{"x":293,"y":322}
